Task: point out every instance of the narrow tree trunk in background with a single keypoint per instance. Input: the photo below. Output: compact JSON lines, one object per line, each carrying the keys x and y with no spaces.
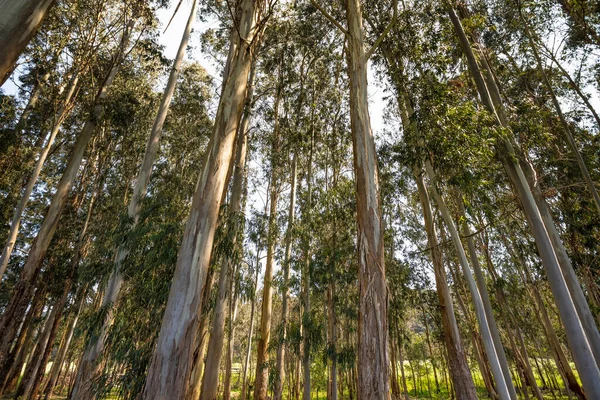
{"x":230,"y":339}
{"x":62,"y":351}
{"x":14,"y":312}
{"x":250,"y":331}
{"x":19,"y":21}
{"x":485,"y":297}
{"x":18,"y":213}
{"x":306,"y":392}
{"x":373,"y":374}
{"x":14,"y":363}
{"x":170,"y":369}
{"x":262,"y":349}
{"x":88,"y":368}
{"x":579,"y":335}
{"x":459,"y":369}
{"x":285,"y":312}
{"x":480,"y":313}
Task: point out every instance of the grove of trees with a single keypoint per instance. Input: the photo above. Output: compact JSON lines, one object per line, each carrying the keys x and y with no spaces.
{"x":171,"y":233}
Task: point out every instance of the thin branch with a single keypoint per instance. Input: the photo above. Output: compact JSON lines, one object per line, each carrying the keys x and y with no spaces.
{"x":384,"y":33}
{"x":329,"y":17}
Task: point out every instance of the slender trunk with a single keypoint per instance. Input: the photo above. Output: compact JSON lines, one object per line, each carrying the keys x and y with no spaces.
{"x":88,"y":369}
{"x":459,"y":369}
{"x":485,"y":297}
{"x":280,"y":374}
{"x":19,"y":21}
{"x":62,"y":352}
{"x":563,"y":282}
{"x":18,"y":213}
{"x":14,"y":312}
{"x":480,"y":313}
{"x":262,"y":357}
{"x":373,"y":374}
{"x":170,"y":369}
{"x":231,"y":338}
{"x":431,"y":355}
{"x":250,"y":331}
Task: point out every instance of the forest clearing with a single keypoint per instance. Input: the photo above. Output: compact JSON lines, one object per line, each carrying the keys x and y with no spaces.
{"x":299,"y":199}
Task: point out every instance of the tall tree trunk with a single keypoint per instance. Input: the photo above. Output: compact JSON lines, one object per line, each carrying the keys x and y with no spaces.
{"x":285,"y":312}
{"x":88,"y":368}
{"x":262,"y":354}
{"x":485,"y":297}
{"x":561,"y":280}
{"x":480,"y":313}
{"x":18,"y":213}
{"x":373,"y":374}
{"x":170,"y":369}
{"x":14,"y":312}
{"x":19,"y":21}
{"x":210,"y":381}
{"x":459,"y":369}
{"x":230,"y":339}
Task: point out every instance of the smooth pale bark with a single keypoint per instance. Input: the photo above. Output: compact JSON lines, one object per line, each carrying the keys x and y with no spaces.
{"x":170,"y":369}
{"x":210,"y":382}
{"x":485,"y":297}
{"x":19,"y":21}
{"x":64,"y":347}
{"x":480,"y":313}
{"x":251,"y":330}
{"x":285,"y":312}
{"x":88,"y":368}
{"x":14,"y":312}
{"x":18,"y":213}
{"x":373,"y":360}
{"x":563,"y":282}
{"x":459,"y":369}
{"x":262,"y":348}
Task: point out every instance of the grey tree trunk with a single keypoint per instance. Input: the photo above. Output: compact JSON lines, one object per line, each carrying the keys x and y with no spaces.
{"x":170,"y":369}
{"x":485,"y":297}
{"x":251,"y":330}
{"x":480,"y":313}
{"x":459,"y":369}
{"x":88,"y":370}
{"x":19,"y":21}
{"x":561,"y":279}
{"x":14,"y":312}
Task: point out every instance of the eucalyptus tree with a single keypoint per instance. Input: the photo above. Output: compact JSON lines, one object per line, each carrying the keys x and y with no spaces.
{"x":18,"y":23}
{"x":13,"y":314}
{"x":170,"y":369}
{"x":88,"y":368}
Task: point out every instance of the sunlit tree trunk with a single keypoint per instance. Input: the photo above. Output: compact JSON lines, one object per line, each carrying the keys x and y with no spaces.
{"x":170,"y":369}
{"x":373,"y":371}
{"x":210,"y":380}
{"x":19,"y":21}
{"x":88,"y":368}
